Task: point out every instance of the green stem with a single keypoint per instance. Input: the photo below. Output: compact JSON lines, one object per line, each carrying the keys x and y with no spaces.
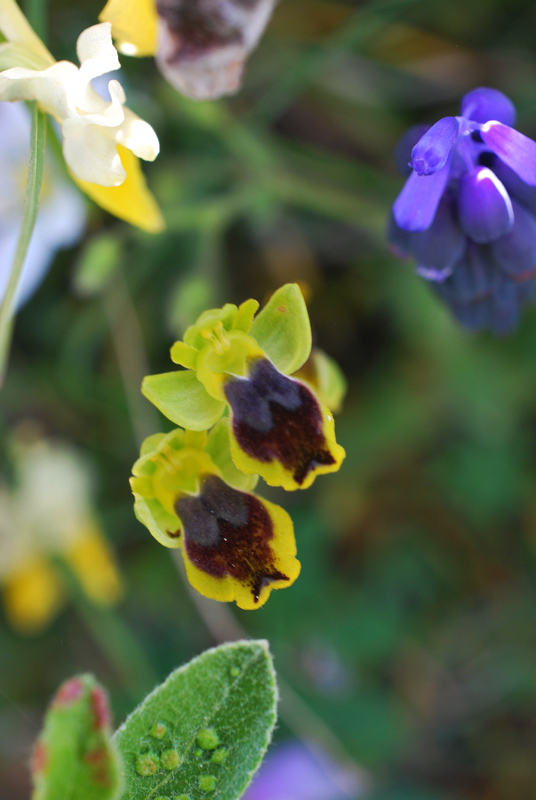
{"x":113,"y":637}
{"x":249,"y":147}
{"x":36,"y":13}
{"x":29,"y":215}
{"x":215,"y":214}
{"x":130,"y":353}
{"x":223,"y":626}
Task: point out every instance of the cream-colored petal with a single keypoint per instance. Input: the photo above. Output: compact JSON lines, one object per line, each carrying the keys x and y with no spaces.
{"x":95,"y":51}
{"x":52,"y":87}
{"x":16,"y":28}
{"x":138,"y":136}
{"x":132,"y":201}
{"x":91,"y":154}
{"x":13,"y":54}
{"x":48,"y":87}
{"x":117,"y":92}
{"x":88,"y":99}
{"x":109,"y":115}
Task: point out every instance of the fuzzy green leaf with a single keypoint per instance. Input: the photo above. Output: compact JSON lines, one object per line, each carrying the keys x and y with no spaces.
{"x":204,"y":731}
{"x":183,"y":399}
{"x":73,"y":758}
{"x":283,"y":329}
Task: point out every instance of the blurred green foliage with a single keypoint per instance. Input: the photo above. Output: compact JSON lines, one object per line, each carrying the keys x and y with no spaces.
{"x":410,"y":631}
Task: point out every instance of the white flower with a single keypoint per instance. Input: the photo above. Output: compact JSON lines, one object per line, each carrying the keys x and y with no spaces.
{"x":91,"y":127}
{"x":55,"y":485}
{"x":62,"y":213}
{"x":50,"y":509}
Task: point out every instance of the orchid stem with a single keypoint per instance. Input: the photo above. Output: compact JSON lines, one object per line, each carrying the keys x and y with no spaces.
{"x":129,"y":347}
{"x":223,"y":626}
{"x":114,"y":638}
{"x":29,"y":215}
{"x":36,"y":13}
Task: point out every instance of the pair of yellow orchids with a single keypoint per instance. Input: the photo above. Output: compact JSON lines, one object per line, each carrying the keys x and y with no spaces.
{"x":242,"y":416}
{"x":200,"y":47}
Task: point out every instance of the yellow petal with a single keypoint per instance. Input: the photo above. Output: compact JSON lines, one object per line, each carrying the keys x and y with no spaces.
{"x":289,"y":474}
{"x":32,"y":596}
{"x":195,"y":439}
{"x":134,"y":25}
{"x":235,"y":545}
{"x":92,"y":561}
{"x":132,"y":201}
{"x":184,"y":355}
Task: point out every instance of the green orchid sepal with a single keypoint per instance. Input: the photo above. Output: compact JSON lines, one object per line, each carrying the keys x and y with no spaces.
{"x":183,"y":399}
{"x":223,"y":343}
{"x":325,"y":377}
{"x":282,"y":329}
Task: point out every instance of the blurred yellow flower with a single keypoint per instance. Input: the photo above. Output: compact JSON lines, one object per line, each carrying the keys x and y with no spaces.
{"x":48,"y":516}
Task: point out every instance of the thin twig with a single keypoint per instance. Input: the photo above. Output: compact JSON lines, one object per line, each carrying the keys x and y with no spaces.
{"x":129,"y":350}
{"x":113,"y":636}
{"x":296,"y":713}
{"x":29,"y":215}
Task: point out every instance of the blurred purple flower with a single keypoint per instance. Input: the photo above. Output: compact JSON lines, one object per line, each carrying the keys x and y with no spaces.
{"x":467,"y":212}
{"x":61,"y":218}
{"x":295,"y":771}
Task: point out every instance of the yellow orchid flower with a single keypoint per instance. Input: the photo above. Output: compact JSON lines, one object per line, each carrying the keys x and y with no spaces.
{"x":235,"y":545}
{"x":200,"y":47}
{"x":238,"y":359}
{"x":102,"y":140}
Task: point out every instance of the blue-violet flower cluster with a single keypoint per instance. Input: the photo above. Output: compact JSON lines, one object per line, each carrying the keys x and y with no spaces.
{"x":467,"y":213}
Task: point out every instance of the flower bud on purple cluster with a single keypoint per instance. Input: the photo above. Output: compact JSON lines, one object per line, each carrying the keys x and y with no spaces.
{"x":467,"y":212}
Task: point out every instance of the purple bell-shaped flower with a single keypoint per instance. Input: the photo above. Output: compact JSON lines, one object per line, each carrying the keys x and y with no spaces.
{"x":467,"y":212}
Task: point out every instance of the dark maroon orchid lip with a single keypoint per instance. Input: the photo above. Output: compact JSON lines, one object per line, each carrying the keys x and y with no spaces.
{"x":202,"y":27}
{"x":278,"y":418}
{"x":195,"y":29}
{"x":228,"y":532}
